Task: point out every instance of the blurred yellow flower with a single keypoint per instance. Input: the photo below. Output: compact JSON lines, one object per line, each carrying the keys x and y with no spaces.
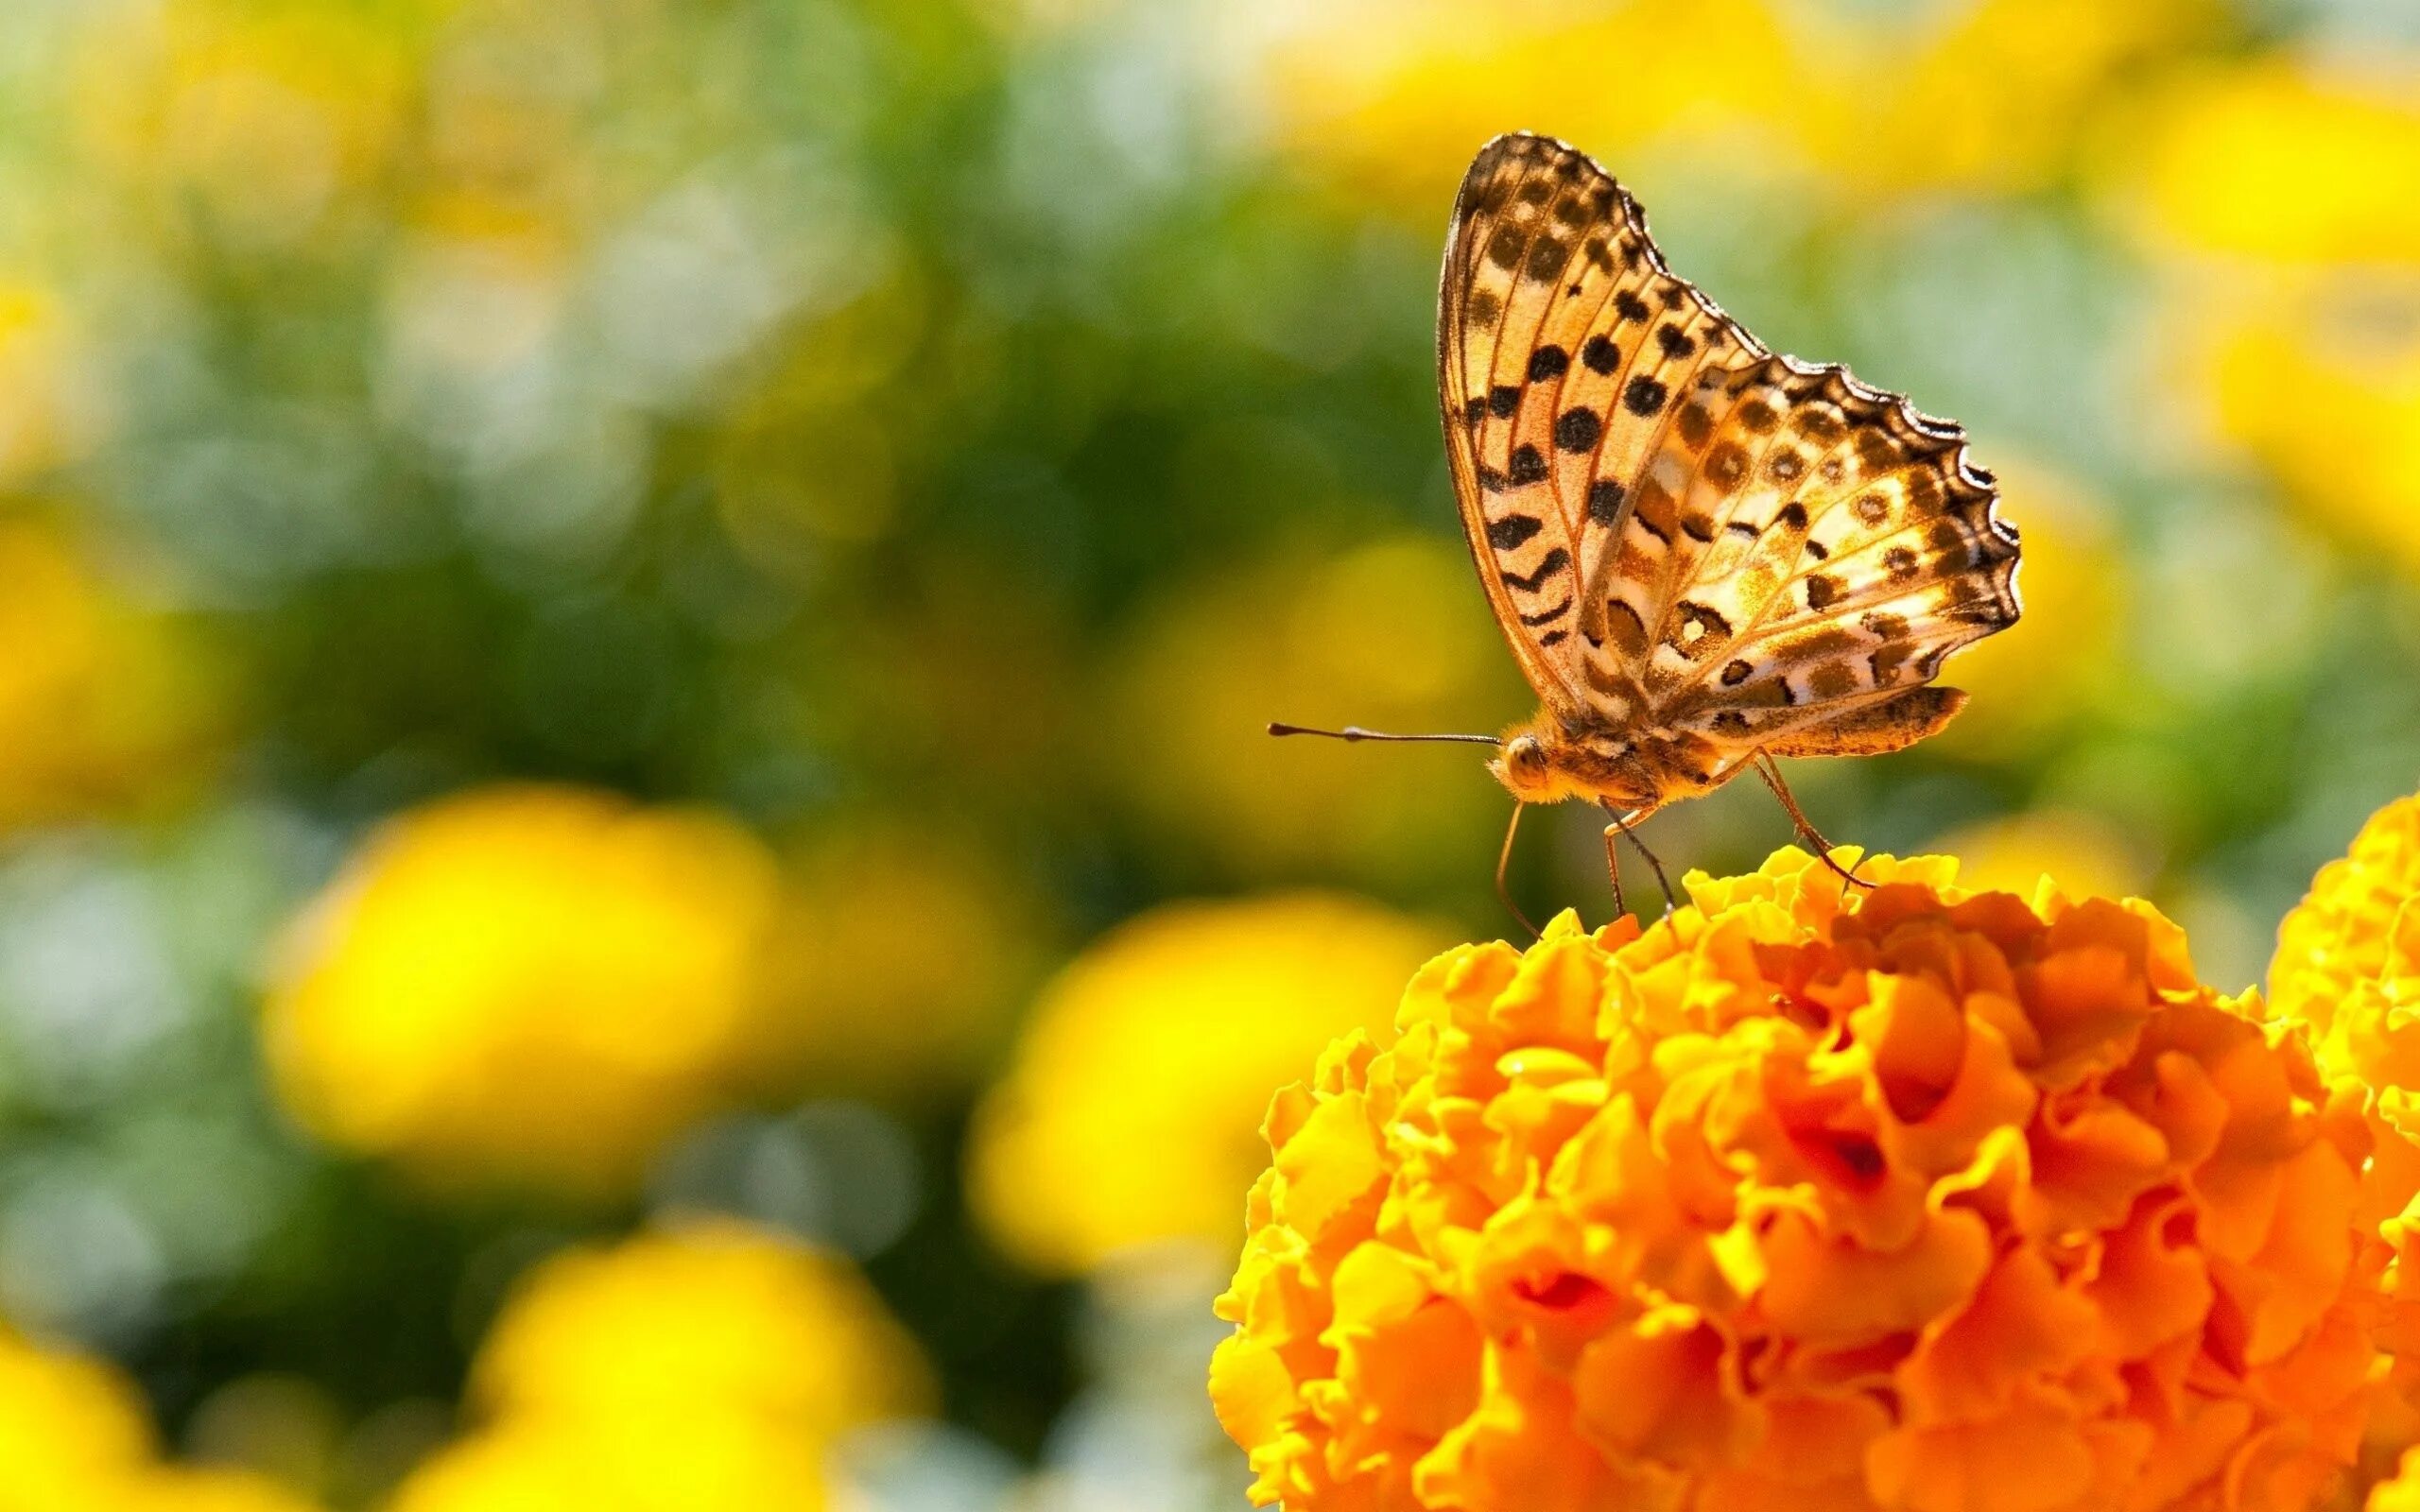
{"x":711,"y":1317}
{"x":2320,"y":381}
{"x":528,"y":984}
{"x":1991,"y":97}
{"x":104,"y":704}
{"x":2287,"y":198}
{"x":551,"y":1466}
{"x":75,"y":1435}
{"x":2276,"y":159}
{"x":42,"y":419}
{"x":1128,"y":1115}
{"x":2065,"y":656}
{"x":1401,"y":95}
{"x":1914,"y":1198}
{"x":1393,"y":634}
{"x":182,"y":1489}
{"x":2084,"y":851}
{"x":895,"y":964}
{"x":709,"y":1366}
{"x":68,"y":1425}
{"x":258,"y":117}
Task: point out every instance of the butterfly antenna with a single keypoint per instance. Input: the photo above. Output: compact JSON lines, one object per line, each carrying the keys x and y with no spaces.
{"x":1355,"y":732}
{"x":1503,"y":861}
{"x":1772,"y":774}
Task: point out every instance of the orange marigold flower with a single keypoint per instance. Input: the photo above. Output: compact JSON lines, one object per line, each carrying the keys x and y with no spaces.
{"x":2348,"y":975}
{"x":2357,"y":929}
{"x":1806,"y":1198}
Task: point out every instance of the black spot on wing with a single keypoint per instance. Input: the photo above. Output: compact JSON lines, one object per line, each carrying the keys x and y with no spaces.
{"x":1526,"y":466}
{"x":1578,"y":429}
{"x":1553,"y":562}
{"x":1548,"y":362}
{"x":1644,"y":396}
{"x":1605,"y":500}
{"x":1510,"y":532}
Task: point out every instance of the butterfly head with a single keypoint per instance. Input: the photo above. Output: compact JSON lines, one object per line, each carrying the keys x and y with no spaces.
{"x":1542,"y":763}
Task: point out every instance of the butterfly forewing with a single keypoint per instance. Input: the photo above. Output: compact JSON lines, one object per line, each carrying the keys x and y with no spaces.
{"x":1678,"y":529}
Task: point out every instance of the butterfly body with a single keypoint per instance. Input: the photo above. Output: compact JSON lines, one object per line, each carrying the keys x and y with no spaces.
{"x":1701,"y":553}
{"x":1635,"y":771}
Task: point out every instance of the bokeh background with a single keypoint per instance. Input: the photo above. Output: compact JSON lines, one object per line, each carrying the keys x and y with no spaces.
{"x":639,"y":870}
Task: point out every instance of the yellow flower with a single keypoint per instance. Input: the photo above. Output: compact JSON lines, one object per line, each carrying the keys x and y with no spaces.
{"x":2310,"y":374}
{"x":68,"y":1425}
{"x":1128,"y":1115}
{"x":257,"y":119}
{"x":1914,"y":1198}
{"x":706,"y":1366}
{"x":711,"y":1318}
{"x":2014,"y":854}
{"x":103,"y":705}
{"x":1401,"y":95}
{"x":1992,"y":99}
{"x":548,"y":1466}
{"x":1387,"y":635}
{"x":40,"y":419}
{"x":2347,"y":974}
{"x":2355,"y":937}
{"x":73,"y":1434}
{"x":2288,"y":199}
{"x":2273,"y":160}
{"x":526,"y":984}
{"x":179,"y":1490}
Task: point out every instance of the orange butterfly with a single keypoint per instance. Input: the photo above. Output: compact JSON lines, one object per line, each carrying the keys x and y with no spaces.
{"x":1705,"y":555}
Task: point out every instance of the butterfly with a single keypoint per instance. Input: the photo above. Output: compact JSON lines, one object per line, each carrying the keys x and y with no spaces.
{"x":1704,"y":555}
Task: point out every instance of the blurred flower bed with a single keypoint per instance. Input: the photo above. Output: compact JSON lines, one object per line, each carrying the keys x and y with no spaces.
{"x":629,"y":758}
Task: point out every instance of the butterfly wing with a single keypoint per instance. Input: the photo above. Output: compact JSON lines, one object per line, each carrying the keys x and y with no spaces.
{"x":1679,"y":529}
{"x":1853,"y":548}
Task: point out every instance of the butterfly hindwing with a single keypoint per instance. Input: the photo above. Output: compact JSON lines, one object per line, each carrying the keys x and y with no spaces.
{"x":1854,"y":548}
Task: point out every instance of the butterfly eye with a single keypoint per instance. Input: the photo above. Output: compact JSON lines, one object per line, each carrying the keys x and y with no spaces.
{"x":1526,"y":756}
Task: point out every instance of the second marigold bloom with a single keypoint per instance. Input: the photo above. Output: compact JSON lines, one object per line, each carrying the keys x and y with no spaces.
{"x":1894,"y":1199}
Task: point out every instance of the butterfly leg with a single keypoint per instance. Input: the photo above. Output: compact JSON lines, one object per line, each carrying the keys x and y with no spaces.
{"x":1618,"y":830}
{"x":1806,"y":830}
{"x":1503,"y":863}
